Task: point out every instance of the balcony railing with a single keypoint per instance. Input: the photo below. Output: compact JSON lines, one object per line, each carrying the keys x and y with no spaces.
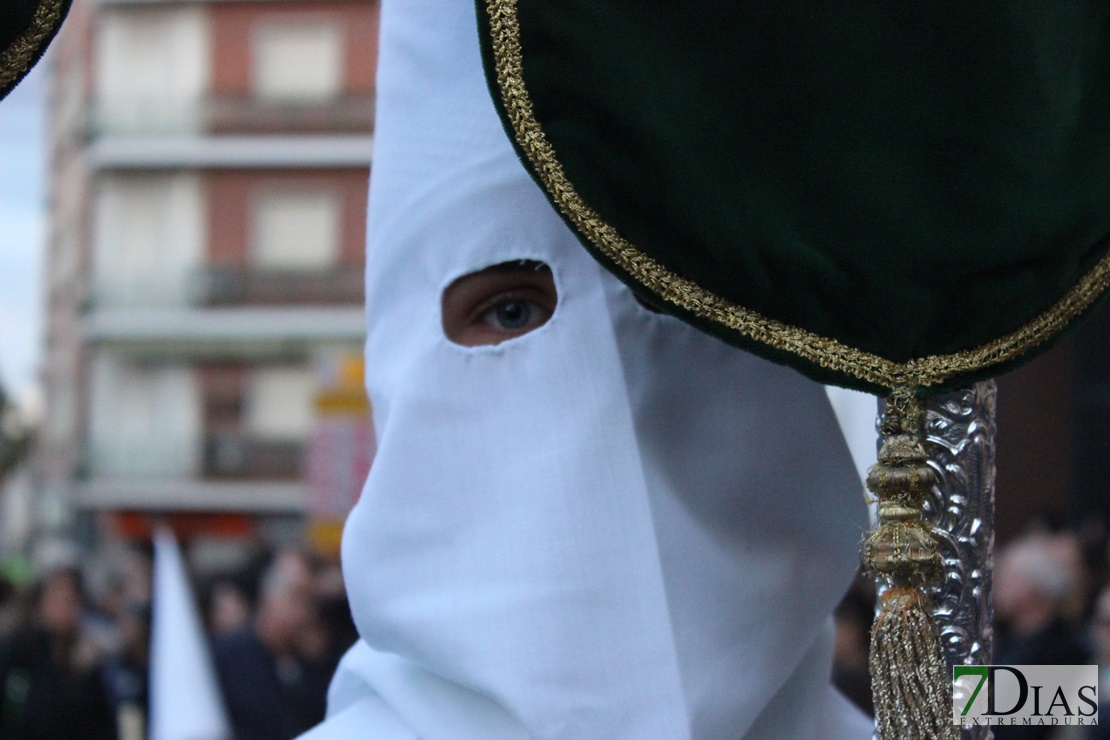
{"x":231,"y":286}
{"x":229,"y":114}
{"x":223,"y":456}
{"x":242,"y":457}
{"x":132,"y":458}
{"x":351,"y":114}
{"x":219,"y":287}
{"x":180,"y":494}
{"x":142,"y":117}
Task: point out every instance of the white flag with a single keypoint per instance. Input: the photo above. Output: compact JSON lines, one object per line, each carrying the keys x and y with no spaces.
{"x":856,"y":413}
{"x":185,"y":701}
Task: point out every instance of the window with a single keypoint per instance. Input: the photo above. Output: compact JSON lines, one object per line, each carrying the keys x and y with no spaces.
{"x":296,"y":230}
{"x":279,"y":402}
{"x":149,"y":238}
{"x":298,"y":63}
{"x":152,"y":67}
{"x":145,"y":419}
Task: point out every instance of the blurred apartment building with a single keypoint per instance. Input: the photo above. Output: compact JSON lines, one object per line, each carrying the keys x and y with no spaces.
{"x":209,"y":162}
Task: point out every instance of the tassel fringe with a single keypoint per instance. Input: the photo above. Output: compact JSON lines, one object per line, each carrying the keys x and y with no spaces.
{"x":908,"y":671}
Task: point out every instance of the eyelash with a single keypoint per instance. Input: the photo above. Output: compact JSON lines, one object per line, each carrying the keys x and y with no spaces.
{"x":492,"y":303}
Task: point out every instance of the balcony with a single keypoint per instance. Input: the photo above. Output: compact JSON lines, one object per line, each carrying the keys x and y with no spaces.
{"x":241,"y":457}
{"x":227,"y":312}
{"x":176,"y":495}
{"x":229,"y":472}
{"x":228,"y":115}
{"x":242,"y":331}
{"x":238,"y":114}
{"x":232,"y":286}
{"x":293,"y":151}
{"x":128,"y":457}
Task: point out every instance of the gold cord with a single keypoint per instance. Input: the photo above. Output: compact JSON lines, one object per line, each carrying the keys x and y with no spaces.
{"x":16,"y":59}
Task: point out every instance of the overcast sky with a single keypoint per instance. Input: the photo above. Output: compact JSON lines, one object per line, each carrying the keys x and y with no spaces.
{"x":22,"y":221}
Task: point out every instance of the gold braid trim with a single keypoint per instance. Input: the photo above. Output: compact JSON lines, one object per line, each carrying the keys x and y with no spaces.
{"x":822,"y":351}
{"x":15,"y":61}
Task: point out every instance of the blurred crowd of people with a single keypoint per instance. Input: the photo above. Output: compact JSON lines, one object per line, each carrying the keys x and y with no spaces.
{"x":76,"y":664}
{"x":74,"y":661}
{"x":1051,"y":597}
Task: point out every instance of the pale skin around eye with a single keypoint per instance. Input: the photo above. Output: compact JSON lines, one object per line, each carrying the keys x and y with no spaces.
{"x":498,"y":303}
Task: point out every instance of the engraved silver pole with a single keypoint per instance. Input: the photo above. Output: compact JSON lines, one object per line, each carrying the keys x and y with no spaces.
{"x":960,"y":442}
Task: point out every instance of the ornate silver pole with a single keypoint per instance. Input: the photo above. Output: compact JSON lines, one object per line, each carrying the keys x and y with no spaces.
{"x":960,"y":442}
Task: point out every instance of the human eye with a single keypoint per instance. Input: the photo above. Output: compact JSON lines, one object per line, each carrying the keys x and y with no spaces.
{"x":498,"y":303}
{"x":515,"y":314}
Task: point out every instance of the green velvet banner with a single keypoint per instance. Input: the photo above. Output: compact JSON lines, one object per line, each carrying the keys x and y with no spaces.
{"x":903,"y":180}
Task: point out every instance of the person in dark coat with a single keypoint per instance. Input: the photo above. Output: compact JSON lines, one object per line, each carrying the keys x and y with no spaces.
{"x":270,"y":691}
{"x":126,"y":674}
{"x":1100,"y":640}
{"x":1036,"y":596}
{"x":49,"y":674}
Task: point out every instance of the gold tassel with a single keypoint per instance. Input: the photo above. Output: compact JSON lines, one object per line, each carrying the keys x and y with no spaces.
{"x":908,"y":672}
{"x":909,"y":675}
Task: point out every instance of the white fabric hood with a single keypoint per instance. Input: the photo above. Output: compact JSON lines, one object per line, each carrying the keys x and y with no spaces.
{"x":611,"y":527}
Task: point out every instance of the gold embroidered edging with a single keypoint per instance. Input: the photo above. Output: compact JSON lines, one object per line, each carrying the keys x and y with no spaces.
{"x":16,"y":59}
{"x":825,"y":352}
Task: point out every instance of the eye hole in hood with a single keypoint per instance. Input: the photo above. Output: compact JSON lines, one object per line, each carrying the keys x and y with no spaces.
{"x":499,"y":303}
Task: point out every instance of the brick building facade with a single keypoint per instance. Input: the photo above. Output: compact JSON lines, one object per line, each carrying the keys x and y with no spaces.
{"x":209,"y":163}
